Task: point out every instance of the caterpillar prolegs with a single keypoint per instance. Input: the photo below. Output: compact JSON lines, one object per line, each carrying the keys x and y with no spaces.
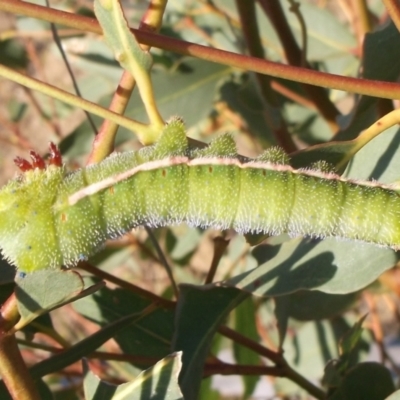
{"x":49,"y":217}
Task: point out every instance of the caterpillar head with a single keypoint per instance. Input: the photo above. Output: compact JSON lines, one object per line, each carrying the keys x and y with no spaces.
{"x":26,"y":226}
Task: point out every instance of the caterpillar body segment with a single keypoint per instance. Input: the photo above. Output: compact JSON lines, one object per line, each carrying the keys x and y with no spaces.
{"x":49,"y":217}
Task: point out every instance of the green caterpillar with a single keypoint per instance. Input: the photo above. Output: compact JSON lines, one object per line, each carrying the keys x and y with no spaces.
{"x":49,"y":217}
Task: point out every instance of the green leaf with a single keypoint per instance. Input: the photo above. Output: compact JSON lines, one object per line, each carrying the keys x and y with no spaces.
{"x":329,"y":41}
{"x":245,"y":324}
{"x":207,"y":392}
{"x":44,"y":290}
{"x":330,"y":266}
{"x":148,"y":337}
{"x":281,"y":311}
{"x":366,"y":381}
{"x":306,"y":305}
{"x":307,"y":349}
{"x":349,"y":346}
{"x":187,"y":90}
{"x":157,"y":383}
{"x":339,"y":153}
{"x":199,"y":313}
{"x":82,"y":348}
{"x":381,"y":61}
{"x":244,"y":99}
{"x":379,"y":160}
{"x":13,"y":54}
{"x":352,"y":337}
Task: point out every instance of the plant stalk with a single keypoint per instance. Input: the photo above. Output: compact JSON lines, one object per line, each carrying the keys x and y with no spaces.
{"x":14,"y":372}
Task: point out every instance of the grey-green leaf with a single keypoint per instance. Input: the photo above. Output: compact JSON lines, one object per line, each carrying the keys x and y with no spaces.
{"x":330,"y":266}
{"x":199,"y":313}
{"x":44,"y":290}
{"x":159,"y":382}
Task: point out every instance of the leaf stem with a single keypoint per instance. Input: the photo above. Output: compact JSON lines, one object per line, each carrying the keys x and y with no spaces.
{"x":294,"y":376}
{"x":14,"y":372}
{"x":9,"y":313}
{"x":219,"y":244}
{"x":277,"y":358}
{"x":103,"y":145}
{"x":164,"y":303}
{"x":163,"y":260}
{"x":140,"y":129}
{"x":130,"y":55}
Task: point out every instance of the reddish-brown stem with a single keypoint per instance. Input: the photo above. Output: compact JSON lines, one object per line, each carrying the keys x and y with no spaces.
{"x":235,"y":369}
{"x":9,"y":314}
{"x":220,"y":245}
{"x":103,"y":144}
{"x":276,"y":358}
{"x":14,"y":372}
{"x":318,"y":96}
{"x":126,"y":285}
{"x":271,"y":113}
{"x":368,"y":87}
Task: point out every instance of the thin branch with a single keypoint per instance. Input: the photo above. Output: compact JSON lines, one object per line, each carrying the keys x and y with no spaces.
{"x":220,"y":244}
{"x":57,"y":41}
{"x":276,"y":358}
{"x":14,"y":372}
{"x":296,"y":57}
{"x":295,"y":9}
{"x":128,"y":286}
{"x":271,"y":112}
{"x":69,"y":98}
{"x":163,"y":260}
{"x":367,"y":87}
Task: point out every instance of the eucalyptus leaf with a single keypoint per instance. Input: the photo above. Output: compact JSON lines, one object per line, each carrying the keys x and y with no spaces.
{"x":193,"y":334}
{"x":330,"y":266}
{"x":39,"y":292}
{"x":157,"y":383}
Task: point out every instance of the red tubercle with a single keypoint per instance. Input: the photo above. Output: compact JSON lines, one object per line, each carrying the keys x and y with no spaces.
{"x":22,"y":164}
{"x":55,"y":155}
{"x":38,"y":161}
